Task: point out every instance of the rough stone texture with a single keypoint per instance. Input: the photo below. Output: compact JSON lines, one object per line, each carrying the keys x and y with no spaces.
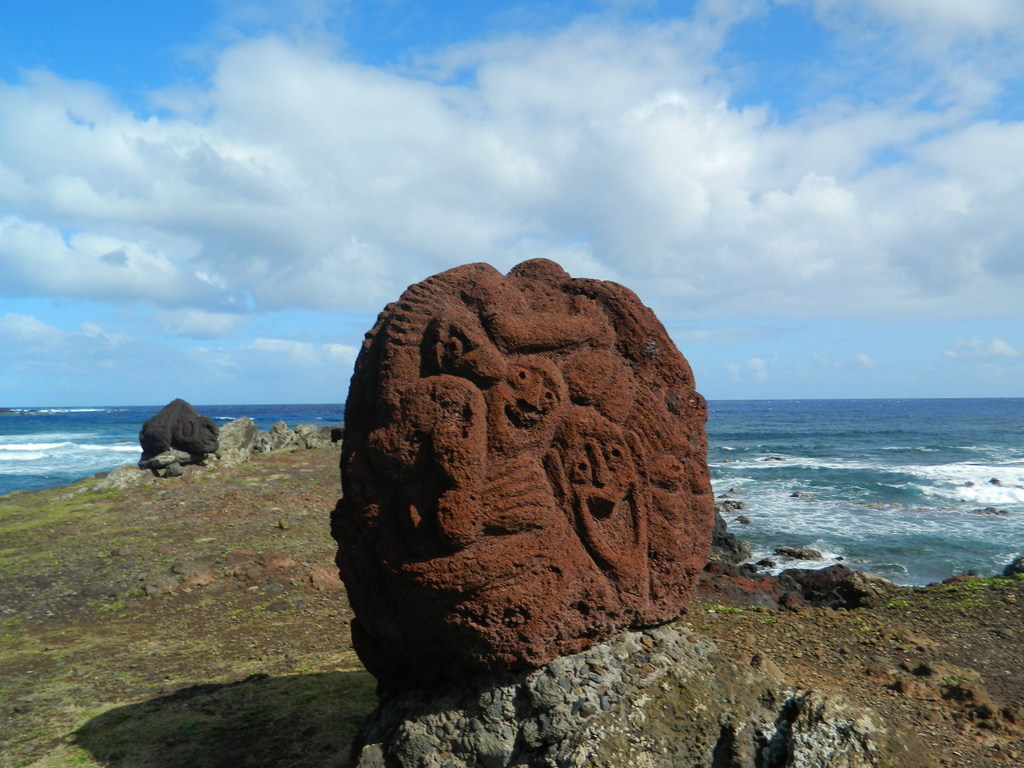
{"x":725,"y":546}
{"x":237,"y":439}
{"x":1015,"y":568}
{"x":240,"y":439}
{"x":120,"y":478}
{"x":279,"y":438}
{"x":180,"y":427}
{"x":524,"y":473}
{"x":836,"y":586}
{"x":311,"y":437}
{"x":655,"y":699}
{"x":795,"y":589}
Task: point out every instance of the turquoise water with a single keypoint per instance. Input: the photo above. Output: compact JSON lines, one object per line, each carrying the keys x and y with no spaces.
{"x":894,"y":484}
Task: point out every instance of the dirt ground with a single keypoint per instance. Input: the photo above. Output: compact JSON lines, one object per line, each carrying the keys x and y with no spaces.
{"x":198,"y":621}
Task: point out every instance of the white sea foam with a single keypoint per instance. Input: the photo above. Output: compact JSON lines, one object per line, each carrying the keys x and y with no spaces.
{"x":782,"y":461}
{"x":993,"y":495}
{"x":119,"y":448}
{"x":21,"y":455}
{"x":66,"y":410}
{"x":973,"y":483}
{"x":32,"y":446}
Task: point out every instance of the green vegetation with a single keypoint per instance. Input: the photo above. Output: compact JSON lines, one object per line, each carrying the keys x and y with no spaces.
{"x":275,"y":718}
{"x":724,"y":609}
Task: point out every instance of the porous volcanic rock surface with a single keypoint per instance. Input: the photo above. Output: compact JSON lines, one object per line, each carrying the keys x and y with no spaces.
{"x":524,"y":473}
{"x":661,"y":698}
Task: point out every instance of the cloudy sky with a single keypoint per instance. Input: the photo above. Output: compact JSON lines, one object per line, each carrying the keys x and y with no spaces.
{"x":213,"y":199}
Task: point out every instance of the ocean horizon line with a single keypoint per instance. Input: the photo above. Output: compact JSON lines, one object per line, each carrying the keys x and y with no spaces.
{"x":82,"y":407}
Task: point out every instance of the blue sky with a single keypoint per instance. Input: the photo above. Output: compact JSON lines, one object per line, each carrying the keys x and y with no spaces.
{"x":213,"y":200}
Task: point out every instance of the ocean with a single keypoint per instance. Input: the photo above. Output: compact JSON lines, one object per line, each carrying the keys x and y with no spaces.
{"x":47,"y":447}
{"x":912,"y":490}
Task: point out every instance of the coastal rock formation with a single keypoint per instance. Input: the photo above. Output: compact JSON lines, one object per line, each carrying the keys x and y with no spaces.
{"x":524,"y":473}
{"x":726,"y":547}
{"x":178,"y":426}
{"x":659,"y":698}
{"x":240,"y":439}
{"x":237,"y":440}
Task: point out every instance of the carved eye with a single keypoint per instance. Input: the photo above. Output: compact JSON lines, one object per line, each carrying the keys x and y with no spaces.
{"x":522,"y":375}
{"x":615,"y":453}
{"x":454,"y":346}
{"x":581,"y":471}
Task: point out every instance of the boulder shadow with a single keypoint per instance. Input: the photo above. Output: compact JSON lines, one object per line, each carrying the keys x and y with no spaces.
{"x":293,"y":721}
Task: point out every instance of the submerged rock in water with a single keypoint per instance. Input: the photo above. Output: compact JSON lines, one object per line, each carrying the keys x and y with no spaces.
{"x":799,"y":553}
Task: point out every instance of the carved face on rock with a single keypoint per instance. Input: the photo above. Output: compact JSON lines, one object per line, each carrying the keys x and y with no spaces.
{"x":498,"y":503}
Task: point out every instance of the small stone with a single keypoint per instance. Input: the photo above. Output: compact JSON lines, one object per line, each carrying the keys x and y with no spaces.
{"x":798,"y":553}
{"x":160,"y":585}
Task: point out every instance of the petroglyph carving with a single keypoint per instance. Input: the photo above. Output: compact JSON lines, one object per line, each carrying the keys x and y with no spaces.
{"x":523,"y":474}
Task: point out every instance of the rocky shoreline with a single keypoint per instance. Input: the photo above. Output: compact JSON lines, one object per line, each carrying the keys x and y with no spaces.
{"x":199,"y":619}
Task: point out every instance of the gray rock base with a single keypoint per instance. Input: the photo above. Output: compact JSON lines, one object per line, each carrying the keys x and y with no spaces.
{"x":653,"y":699}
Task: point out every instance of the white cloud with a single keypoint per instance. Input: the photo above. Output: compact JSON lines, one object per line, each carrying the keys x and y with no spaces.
{"x":728,"y":335}
{"x":824,"y":361}
{"x":754,"y":368}
{"x":865,"y":362}
{"x":29,"y":330}
{"x":303,"y":353}
{"x":975,"y":348}
{"x":36,"y":260}
{"x":954,"y":18}
{"x":860,"y":362}
{"x":301,"y":179}
{"x":200,"y":324}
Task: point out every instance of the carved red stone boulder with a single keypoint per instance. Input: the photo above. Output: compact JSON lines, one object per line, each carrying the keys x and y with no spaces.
{"x":524,"y":473}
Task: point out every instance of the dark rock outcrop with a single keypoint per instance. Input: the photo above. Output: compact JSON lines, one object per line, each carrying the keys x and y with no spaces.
{"x":836,"y":586}
{"x":726,"y":547}
{"x":524,"y":473}
{"x":1015,"y":568}
{"x":798,"y":553}
{"x":795,"y":589}
{"x":178,"y":426}
{"x":659,"y":698}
